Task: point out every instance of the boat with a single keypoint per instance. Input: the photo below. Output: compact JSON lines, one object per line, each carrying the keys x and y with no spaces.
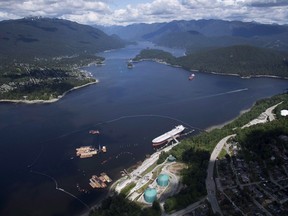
{"x":167,"y":137}
{"x":130,"y":64}
{"x":104,"y":150}
{"x":94,"y":132}
{"x":191,"y":76}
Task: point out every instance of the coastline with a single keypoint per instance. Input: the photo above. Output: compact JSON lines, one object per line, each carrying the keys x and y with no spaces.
{"x":215,"y":73}
{"x":219,"y":126}
{"x":48,"y":101}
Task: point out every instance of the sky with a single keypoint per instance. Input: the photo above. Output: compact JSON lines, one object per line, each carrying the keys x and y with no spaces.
{"x":125,"y":12}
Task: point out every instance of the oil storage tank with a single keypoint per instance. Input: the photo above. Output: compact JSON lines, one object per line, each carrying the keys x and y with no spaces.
{"x":150,"y":195}
{"x":163,"y":180}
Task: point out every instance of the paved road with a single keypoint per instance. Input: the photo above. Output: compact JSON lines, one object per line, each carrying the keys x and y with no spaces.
{"x":188,"y":209}
{"x":210,"y":184}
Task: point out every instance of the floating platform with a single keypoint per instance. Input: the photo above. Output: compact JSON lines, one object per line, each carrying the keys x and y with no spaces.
{"x":86,"y":151}
{"x":99,"y":182}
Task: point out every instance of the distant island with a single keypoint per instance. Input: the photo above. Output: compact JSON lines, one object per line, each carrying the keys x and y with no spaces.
{"x":242,"y":60}
{"x":41,"y":58}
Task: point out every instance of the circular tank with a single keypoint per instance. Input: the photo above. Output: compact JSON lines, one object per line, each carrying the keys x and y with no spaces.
{"x":163,"y":180}
{"x":150,"y":195}
{"x":171,"y":158}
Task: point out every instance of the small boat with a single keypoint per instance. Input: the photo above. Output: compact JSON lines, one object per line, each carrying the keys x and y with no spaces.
{"x":94,"y":132}
{"x":104,"y":149}
{"x":130,"y":64}
{"x":191,"y":76}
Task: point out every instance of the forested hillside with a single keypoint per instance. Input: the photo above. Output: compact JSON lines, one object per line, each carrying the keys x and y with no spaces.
{"x":243,"y":60}
{"x":29,"y":38}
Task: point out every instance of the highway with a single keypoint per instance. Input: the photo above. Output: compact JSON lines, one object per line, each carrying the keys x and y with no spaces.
{"x":210,"y":184}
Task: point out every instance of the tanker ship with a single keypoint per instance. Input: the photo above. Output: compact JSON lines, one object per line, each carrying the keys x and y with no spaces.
{"x":167,"y":137}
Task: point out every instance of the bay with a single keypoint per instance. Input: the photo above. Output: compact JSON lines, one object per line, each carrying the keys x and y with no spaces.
{"x":39,"y":170}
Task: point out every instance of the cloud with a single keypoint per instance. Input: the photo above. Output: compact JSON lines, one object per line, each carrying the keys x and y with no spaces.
{"x":267,"y":3}
{"x":53,"y":8}
{"x":101,"y":12}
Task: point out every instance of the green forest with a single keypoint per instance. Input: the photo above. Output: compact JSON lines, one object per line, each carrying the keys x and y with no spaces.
{"x":243,"y":60}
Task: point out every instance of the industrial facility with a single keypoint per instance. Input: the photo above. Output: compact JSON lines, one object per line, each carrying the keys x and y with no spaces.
{"x":150,"y":195}
{"x":163,"y":180}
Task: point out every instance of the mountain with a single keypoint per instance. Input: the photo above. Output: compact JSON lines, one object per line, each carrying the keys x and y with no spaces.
{"x":44,"y":37}
{"x":133,"y":32}
{"x":198,"y":34}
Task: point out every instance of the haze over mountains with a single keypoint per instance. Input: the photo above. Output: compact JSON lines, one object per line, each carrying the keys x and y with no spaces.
{"x":198,"y":34}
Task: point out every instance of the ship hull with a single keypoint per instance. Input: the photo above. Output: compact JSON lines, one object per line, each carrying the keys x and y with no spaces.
{"x":167,"y":137}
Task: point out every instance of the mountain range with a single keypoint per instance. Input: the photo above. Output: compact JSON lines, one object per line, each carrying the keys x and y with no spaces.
{"x":195,"y":35}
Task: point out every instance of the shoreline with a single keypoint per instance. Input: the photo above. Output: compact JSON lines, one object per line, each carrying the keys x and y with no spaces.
{"x":219,"y":126}
{"x":215,"y":73}
{"x":48,"y":101}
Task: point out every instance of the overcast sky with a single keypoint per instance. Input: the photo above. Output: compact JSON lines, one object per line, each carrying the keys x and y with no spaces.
{"x":123,"y":12}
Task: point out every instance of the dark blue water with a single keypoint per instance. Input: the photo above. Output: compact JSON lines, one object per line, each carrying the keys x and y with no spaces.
{"x":130,"y":107}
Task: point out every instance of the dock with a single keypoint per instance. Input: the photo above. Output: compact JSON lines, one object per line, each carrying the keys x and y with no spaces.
{"x":106,"y":177}
{"x":99,"y":182}
{"x":86,"y":151}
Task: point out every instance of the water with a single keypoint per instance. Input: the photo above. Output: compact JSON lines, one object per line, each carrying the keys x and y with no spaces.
{"x":130,"y":107}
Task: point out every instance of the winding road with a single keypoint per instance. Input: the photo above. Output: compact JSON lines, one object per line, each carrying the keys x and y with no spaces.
{"x":210,"y":184}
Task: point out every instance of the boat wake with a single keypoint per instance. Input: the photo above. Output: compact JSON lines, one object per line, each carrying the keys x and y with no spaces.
{"x":204,"y":96}
{"x":223,"y":93}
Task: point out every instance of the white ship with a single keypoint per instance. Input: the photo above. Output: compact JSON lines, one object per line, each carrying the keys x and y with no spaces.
{"x":170,"y":135}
